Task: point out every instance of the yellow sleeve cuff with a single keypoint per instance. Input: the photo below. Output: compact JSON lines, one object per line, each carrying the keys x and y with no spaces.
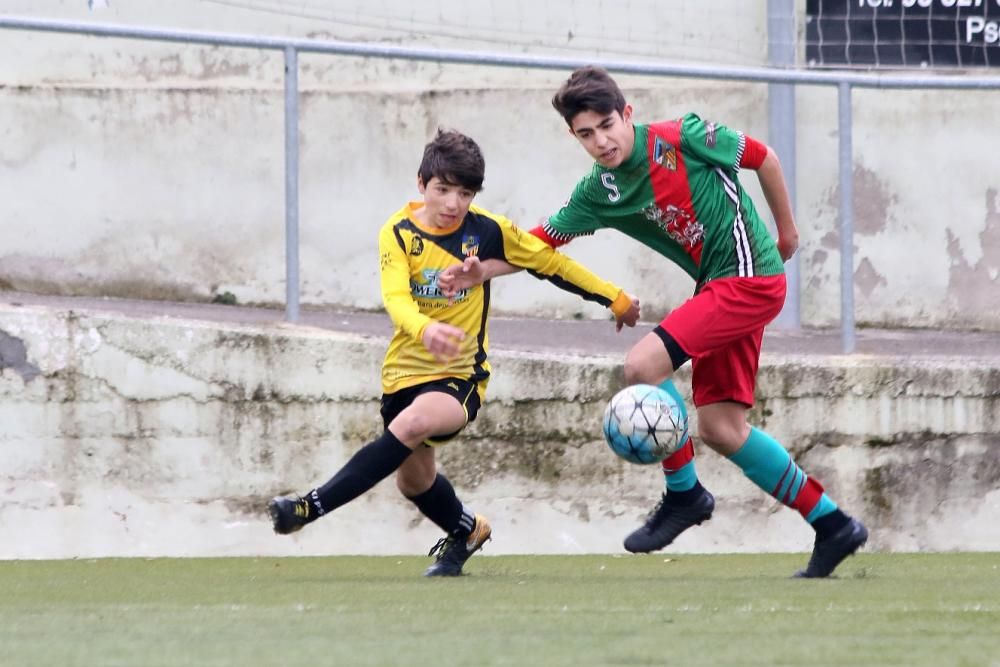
{"x":419,"y":334}
{"x":621,"y":304}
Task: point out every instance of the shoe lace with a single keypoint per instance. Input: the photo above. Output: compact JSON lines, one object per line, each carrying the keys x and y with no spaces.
{"x":656,"y":512}
{"x":440,"y":547}
{"x":446,"y":546}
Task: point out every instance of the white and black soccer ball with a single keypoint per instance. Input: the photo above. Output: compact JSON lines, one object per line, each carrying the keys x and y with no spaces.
{"x":644,"y":424}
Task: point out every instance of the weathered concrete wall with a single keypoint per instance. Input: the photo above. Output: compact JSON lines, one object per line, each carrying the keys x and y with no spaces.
{"x":129,"y":437}
{"x":156,"y":170}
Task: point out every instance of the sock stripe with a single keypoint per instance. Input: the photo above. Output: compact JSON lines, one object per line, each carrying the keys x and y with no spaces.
{"x":803,"y":478}
{"x":467,"y":520}
{"x":796,"y":475}
{"x":771,"y":467}
{"x":776,"y":491}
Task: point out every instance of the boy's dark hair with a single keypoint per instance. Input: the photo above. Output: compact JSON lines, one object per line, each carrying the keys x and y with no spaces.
{"x":455,"y":159}
{"x":589,"y":88}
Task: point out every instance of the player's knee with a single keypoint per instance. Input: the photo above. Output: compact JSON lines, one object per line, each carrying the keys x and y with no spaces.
{"x":712,"y":434}
{"x":722,"y":435}
{"x":640,"y":371}
{"x":633,"y":371}
{"x":415,"y":480}
{"x":411,"y":427}
{"x":652,"y":361}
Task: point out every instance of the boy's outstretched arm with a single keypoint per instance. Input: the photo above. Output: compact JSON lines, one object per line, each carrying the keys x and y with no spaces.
{"x":474,"y":271}
{"x":762,"y":158}
{"x":470,"y":273}
{"x":536,"y":254}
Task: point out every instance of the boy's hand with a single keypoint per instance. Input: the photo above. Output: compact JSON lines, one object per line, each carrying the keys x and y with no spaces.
{"x":630,"y":317}
{"x":788,"y":243}
{"x":442,"y":340}
{"x":462,"y":276}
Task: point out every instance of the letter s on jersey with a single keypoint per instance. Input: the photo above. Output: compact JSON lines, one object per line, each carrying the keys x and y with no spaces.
{"x":608,"y":181}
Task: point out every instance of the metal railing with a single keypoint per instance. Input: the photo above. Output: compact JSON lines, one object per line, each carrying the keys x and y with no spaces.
{"x":291,"y":47}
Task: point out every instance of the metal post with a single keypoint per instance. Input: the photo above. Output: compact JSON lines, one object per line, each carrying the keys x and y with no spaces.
{"x":846,"y":218}
{"x":781,"y":134}
{"x":291,"y":185}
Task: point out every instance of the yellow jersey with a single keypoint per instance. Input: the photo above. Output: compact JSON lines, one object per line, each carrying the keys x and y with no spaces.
{"x":411,"y":255}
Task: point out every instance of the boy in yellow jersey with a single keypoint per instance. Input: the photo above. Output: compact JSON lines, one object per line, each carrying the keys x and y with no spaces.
{"x":435,"y":371}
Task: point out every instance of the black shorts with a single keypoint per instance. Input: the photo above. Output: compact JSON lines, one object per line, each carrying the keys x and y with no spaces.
{"x":465,"y":392}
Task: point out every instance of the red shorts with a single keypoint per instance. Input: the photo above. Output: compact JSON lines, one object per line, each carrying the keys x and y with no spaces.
{"x":721,"y":328}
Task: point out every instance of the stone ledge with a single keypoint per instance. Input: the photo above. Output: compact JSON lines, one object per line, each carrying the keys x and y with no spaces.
{"x":164,"y":437}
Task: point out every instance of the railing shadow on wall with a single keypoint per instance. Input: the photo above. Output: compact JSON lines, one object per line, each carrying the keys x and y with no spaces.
{"x":291,"y":47}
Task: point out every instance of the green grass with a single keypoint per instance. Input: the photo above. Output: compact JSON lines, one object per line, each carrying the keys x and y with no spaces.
{"x":885,"y":609}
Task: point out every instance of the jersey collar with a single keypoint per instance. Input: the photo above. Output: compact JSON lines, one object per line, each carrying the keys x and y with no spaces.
{"x":638,"y":156}
{"x":411,"y":209}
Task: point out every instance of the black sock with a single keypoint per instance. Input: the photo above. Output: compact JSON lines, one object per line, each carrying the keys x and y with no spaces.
{"x":828,"y":524}
{"x":683,"y":498}
{"x":372,"y":463}
{"x":440,"y":504}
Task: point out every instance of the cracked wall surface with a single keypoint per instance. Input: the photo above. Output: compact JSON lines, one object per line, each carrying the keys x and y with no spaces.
{"x":165,"y":437}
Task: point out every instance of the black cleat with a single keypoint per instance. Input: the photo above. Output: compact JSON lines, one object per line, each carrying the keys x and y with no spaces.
{"x":453,"y":552}
{"x":829,"y":553}
{"x":667,"y":521}
{"x":288,"y":513}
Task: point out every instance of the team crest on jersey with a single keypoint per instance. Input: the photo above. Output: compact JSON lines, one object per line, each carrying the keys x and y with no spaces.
{"x":664,"y":154}
{"x":470,"y":245}
{"x":710,"y":128}
{"x":417,"y":247}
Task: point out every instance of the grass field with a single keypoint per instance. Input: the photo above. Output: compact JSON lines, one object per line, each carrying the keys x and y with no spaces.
{"x":660,"y":609}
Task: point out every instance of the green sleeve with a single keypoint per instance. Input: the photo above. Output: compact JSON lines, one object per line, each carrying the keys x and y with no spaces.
{"x":713,"y":143}
{"x":576,"y":217}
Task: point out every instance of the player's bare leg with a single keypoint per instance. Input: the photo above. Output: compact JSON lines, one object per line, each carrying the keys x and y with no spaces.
{"x":648,"y":362}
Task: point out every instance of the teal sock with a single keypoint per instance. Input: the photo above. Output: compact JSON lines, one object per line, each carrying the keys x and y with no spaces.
{"x":678,"y":469}
{"x":770,"y":466}
{"x":683,"y":479}
{"x":823,"y":508}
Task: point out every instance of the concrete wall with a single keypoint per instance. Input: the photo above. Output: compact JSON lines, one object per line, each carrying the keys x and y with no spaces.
{"x":166,"y":437}
{"x":156,"y":170}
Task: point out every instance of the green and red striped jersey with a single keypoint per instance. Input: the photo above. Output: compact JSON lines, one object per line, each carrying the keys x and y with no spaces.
{"x":679,"y":194}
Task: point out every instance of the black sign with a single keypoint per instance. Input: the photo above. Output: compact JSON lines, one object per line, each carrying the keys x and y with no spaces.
{"x":903,"y":33}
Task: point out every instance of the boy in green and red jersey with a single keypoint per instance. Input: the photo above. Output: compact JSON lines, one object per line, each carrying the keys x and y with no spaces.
{"x":673,"y":187}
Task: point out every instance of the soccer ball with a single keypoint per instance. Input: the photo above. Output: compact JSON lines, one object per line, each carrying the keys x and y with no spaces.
{"x":644,"y":424}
